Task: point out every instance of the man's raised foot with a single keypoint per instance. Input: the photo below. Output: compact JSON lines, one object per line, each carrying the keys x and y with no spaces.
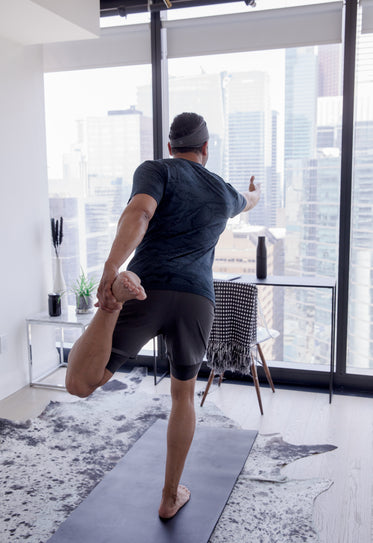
{"x":127,"y":286}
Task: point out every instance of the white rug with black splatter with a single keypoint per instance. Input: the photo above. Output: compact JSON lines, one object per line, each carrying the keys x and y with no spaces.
{"x":50,"y":464}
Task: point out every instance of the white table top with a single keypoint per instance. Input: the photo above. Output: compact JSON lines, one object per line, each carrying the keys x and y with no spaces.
{"x":290,"y":281}
{"x":70,"y":318}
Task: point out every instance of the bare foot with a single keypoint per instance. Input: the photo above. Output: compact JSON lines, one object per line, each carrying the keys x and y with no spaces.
{"x":127,"y":286}
{"x":171,"y":505}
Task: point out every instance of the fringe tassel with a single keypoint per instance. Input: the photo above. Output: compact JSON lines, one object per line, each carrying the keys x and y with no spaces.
{"x":228,"y":356}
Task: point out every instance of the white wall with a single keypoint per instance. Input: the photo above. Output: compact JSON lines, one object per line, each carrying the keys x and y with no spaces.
{"x":25,"y":271}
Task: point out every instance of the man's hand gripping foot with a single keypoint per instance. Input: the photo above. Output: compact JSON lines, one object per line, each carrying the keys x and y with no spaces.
{"x":127,"y":286}
{"x":116,"y":288}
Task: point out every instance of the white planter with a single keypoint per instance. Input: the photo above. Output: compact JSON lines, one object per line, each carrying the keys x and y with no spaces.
{"x":84,"y":304}
{"x":59,"y":284}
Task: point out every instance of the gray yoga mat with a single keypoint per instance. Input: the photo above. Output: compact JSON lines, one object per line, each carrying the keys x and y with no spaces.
{"x":123,"y":507}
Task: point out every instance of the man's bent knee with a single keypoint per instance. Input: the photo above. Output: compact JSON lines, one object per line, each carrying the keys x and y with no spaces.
{"x":78,"y":387}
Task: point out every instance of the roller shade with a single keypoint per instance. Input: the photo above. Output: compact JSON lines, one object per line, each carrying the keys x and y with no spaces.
{"x":268,"y":29}
{"x":256,"y":30}
{"x":120,"y":46}
{"x":367,"y":16}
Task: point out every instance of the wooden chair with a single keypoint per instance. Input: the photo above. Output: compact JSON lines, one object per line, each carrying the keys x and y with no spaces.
{"x":237,"y":331}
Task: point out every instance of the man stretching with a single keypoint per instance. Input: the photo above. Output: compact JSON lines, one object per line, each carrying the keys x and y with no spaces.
{"x":175,"y":215}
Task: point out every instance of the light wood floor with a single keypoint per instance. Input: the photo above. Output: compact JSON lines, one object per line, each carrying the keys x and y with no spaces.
{"x":343,"y":514}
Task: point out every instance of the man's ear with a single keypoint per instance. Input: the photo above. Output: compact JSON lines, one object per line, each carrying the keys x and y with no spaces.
{"x":205,"y":149}
{"x":169,"y":148}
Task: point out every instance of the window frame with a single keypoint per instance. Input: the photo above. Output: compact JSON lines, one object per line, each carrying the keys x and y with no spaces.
{"x":152,"y":48}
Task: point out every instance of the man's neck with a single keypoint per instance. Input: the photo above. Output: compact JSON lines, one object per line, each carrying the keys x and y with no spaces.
{"x":194,"y":157}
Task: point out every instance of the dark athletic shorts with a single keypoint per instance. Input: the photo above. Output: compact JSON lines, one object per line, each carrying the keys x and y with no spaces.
{"x":184,"y":319}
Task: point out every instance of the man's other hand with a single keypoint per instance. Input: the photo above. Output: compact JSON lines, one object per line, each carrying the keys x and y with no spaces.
{"x":252,"y":196}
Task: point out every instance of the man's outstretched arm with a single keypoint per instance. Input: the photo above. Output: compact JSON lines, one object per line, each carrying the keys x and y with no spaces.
{"x":252,"y":196}
{"x":132,"y":227}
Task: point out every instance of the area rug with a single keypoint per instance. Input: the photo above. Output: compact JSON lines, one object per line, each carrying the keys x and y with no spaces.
{"x":50,"y":464}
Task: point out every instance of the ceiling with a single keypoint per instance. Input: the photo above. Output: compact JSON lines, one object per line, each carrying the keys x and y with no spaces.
{"x":30,"y":22}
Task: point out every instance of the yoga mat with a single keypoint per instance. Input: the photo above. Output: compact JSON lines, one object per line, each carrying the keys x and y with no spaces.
{"x":123,"y":507}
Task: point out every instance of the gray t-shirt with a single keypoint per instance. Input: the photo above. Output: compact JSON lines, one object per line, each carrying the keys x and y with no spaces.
{"x":177,"y":251}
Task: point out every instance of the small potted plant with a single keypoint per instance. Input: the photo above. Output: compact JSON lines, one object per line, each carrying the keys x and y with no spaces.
{"x":83,"y":289}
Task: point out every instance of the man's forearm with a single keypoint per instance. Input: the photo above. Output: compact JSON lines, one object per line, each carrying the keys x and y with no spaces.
{"x":252,"y":198}
{"x":132,"y":227}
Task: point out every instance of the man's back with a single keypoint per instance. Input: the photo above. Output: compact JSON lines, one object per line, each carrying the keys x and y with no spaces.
{"x":194,"y":204}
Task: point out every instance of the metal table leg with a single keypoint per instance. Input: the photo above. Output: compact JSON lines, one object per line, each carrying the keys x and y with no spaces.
{"x":155,"y":358}
{"x":332,"y":346}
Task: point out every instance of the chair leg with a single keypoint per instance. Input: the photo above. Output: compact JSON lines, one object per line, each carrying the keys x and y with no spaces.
{"x":221,"y":378}
{"x":211,"y":377}
{"x":256,"y":382}
{"x":265,"y":367}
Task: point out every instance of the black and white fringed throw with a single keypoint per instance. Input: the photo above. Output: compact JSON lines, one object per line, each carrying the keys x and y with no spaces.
{"x":233,"y":332}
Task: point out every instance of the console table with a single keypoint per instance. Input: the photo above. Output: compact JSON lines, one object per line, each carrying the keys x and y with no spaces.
{"x":304,"y":282}
{"x":68,"y":319}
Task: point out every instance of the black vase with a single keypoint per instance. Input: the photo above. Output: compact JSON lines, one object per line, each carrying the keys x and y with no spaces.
{"x":54,"y":304}
{"x":261,"y":258}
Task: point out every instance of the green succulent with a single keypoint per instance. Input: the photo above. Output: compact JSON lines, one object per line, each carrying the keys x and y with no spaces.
{"x":84,"y":286}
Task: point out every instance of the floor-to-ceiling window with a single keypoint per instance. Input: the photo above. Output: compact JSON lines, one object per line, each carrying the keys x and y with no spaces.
{"x":277,"y":114}
{"x":360,"y":331}
{"x":99,"y":128}
{"x":273,"y":102}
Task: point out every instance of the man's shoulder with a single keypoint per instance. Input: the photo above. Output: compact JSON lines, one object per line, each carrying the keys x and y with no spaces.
{"x":169,"y":167}
{"x":189,"y":167}
{"x":151,"y":168}
{"x":153,"y":164}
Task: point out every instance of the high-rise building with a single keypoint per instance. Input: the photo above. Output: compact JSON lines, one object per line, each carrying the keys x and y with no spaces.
{"x":312,"y":178}
{"x":202,"y":94}
{"x":329,"y":70}
{"x":273,"y":187}
{"x":300,"y":103}
{"x":114,"y":149}
{"x":248,"y":147}
{"x":360,"y":344}
{"x":360,"y":316}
